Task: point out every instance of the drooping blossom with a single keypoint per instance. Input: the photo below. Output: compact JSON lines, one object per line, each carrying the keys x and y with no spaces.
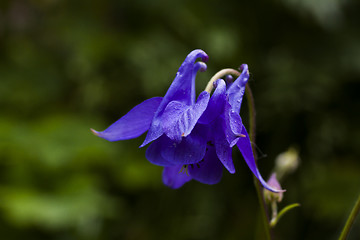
{"x":191,"y":139}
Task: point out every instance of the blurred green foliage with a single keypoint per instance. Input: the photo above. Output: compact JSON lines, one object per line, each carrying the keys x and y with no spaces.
{"x":66,"y":66}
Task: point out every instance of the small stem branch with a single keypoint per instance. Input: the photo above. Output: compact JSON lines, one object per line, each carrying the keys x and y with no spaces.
{"x":275,"y":220}
{"x":274,"y":210}
{"x":350,"y":221}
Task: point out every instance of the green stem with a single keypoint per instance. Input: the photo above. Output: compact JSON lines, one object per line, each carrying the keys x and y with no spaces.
{"x":350,"y":221}
{"x":252,"y":116}
{"x":274,"y":211}
{"x":252,"y":127}
{"x":258,"y":186}
{"x":220,"y":74}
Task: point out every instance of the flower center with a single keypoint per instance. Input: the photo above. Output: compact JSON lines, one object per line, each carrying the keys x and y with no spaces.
{"x":185,"y":168}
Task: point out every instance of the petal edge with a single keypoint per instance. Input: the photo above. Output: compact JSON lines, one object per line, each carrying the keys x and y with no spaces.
{"x":134,"y":123}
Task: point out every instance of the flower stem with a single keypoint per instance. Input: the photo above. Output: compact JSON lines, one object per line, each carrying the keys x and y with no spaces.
{"x":258,"y":186}
{"x":252,"y":116}
{"x":220,"y":74}
{"x":274,"y":210}
{"x":350,"y":221}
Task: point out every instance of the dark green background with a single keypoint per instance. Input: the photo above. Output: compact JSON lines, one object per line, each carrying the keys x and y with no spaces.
{"x":66,"y":66}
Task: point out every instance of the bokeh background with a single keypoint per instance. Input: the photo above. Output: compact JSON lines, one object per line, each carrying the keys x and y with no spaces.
{"x":66,"y":66}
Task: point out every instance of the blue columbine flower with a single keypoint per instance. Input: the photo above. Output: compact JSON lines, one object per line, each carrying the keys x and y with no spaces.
{"x":191,"y":139}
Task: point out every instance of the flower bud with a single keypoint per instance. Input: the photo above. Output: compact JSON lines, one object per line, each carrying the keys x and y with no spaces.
{"x":272,"y":196}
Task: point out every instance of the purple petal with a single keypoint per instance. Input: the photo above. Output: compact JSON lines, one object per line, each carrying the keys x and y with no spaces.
{"x":233,"y":125}
{"x":178,"y":119}
{"x":173,"y":178}
{"x":208,"y":171}
{"x":244,"y":146}
{"x":223,"y":150}
{"x":237,"y":89}
{"x":190,"y":150}
{"x":153,"y":152}
{"x":216,"y":103}
{"x":182,"y":89}
{"x":154,"y":132}
{"x":134,"y":123}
